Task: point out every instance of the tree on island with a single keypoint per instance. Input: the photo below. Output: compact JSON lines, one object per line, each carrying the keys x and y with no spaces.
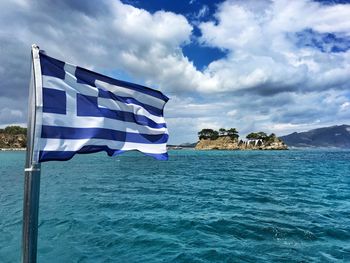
{"x":208,"y":134}
{"x":222,"y":132}
{"x":272,"y":137}
{"x":232,"y":133}
{"x":14,"y":130}
{"x":213,"y":135}
{"x":252,"y":136}
{"x":261,"y":136}
{"x":257,"y":136}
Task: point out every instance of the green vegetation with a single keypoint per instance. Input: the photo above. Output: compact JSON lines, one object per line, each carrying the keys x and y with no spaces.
{"x":257,"y":136}
{"x":213,"y":134}
{"x":14,"y":130}
{"x":222,"y":132}
{"x":271,"y":137}
{"x":261,"y":136}
{"x":208,"y":134}
{"x":233,"y":134}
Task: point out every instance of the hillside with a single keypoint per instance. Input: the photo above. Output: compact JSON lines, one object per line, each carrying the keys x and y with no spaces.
{"x":334,"y":136}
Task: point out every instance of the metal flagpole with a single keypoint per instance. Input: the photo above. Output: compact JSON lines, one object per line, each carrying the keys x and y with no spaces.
{"x":32,"y":169}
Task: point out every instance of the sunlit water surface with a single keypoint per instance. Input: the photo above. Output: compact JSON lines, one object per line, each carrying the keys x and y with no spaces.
{"x":200,"y":206}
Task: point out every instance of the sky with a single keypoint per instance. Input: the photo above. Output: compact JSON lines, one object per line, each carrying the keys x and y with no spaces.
{"x":257,"y":65}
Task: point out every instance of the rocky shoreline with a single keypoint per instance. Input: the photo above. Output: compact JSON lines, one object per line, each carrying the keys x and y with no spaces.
{"x":13,"y":149}
{"x":227,"y":143}
{"x":12,"y":141}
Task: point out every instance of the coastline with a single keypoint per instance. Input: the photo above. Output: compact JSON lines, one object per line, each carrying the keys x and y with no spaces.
{"x":12,"y":149}
{"x":227,"y":143}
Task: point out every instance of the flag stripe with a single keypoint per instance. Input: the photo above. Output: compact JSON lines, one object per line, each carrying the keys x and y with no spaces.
{"x":123,"y":92}
{"x":51,"y":119}
{"x":128,"y":100}
{"x":136,"y":109}
{"x":56,"y":68}
{"x":87,"y":106}
{"x":101,"y":133}
{"x":46,"y":156}
{"x":68,"y":84}
{"x":90,"y":77}
{"x":49,"y":144}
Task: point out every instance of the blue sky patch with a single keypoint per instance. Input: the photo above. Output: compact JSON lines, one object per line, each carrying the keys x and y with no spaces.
{"x":191,"y":9}
{"x":202,"y":56}
{"x":325,"y":42}
{"x":333,"y":2}
{"x":194,"y":11}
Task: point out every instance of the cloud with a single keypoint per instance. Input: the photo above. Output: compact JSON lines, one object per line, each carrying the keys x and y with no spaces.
{"x":124,"y":37}
{"x":286,"y":67}
{"x":10,"y":116}
{"x":266,"y":51}
{"x":104,"y":35}
{"x":202,"y":12}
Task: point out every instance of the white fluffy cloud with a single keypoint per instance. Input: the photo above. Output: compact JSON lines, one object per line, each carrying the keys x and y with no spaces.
{"x":280,"y":73}
{"x":286,"y":67}
{"x":265,"y":51}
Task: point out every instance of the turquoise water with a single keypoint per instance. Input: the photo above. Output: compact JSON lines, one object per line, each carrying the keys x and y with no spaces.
{"x":216,"y":206}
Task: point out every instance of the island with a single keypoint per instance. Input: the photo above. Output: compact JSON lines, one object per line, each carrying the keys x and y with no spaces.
{"x":13,"y":138}
{"x":223,"y":139}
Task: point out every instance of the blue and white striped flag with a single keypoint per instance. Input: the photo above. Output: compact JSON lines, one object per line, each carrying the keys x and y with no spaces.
{"x":84,"y":112}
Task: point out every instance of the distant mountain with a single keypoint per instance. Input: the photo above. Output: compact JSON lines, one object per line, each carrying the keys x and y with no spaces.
{"x":334,"y":136}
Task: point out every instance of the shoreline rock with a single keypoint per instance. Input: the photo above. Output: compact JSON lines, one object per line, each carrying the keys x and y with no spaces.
{"x":12,"y":141}
{"x":226,"y":143}
{"x":12,"y":149}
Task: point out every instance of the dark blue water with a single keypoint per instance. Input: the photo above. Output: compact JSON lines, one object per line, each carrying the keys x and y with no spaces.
{"x":216,"y":206}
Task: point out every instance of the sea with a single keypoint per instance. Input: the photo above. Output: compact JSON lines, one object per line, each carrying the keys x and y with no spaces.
{"x":200,"y":206}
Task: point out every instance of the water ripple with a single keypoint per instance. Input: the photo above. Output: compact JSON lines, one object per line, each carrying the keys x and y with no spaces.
{"x":215,"y":206}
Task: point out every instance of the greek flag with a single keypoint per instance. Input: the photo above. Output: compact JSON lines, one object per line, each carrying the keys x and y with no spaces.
{"x":81,"y":111}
